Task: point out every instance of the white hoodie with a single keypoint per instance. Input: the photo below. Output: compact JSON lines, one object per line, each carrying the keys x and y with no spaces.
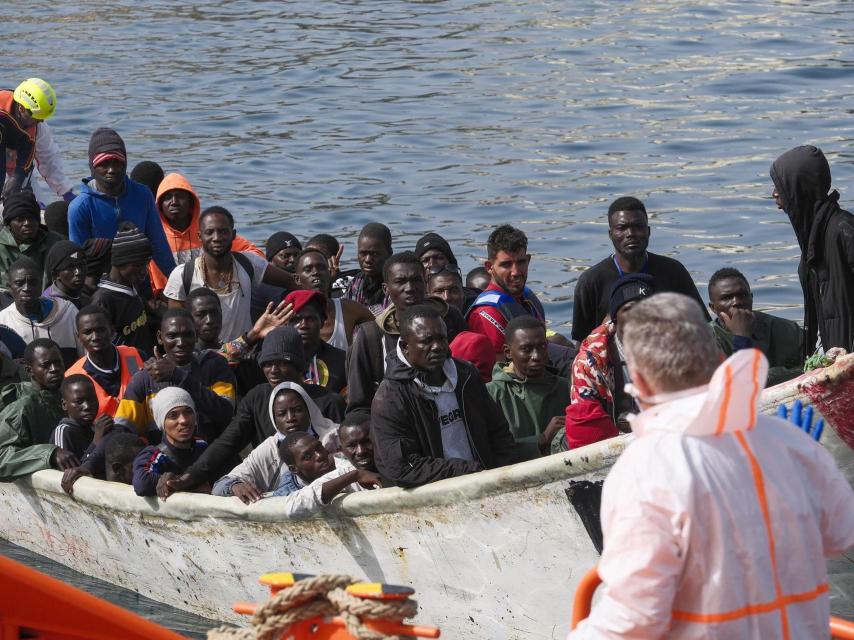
{"x":717,"y":521}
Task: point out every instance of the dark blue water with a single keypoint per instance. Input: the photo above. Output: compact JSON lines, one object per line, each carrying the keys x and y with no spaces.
{"x":457,"y":115}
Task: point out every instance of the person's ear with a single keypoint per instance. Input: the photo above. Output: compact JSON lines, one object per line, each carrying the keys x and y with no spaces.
{"x":293,"y":469}
{"x":711,"y":306}
{"x":506,"y":352}
{"x":641,"y":384}
{"x":385,"y":288}
{"x":117,"y":469}
{"x":63,"y":405}
{"x":404,"y":347}
{"x":487,"y":264}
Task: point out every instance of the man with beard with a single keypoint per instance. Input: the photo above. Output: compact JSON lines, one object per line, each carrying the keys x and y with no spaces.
{"x":342,"y":315}
{"x":233,"y":276}
{"x":180,"y":210}
{"x":825,"y":233}
{"x":373,"y":248}
{"x":26,"y":424}
{"x":628,"y":228}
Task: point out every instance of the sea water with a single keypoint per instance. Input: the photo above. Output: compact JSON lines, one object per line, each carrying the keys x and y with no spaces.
{"x":457,"y":115}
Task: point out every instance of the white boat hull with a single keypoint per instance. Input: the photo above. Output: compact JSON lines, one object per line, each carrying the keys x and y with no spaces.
{"x":492,"y":555}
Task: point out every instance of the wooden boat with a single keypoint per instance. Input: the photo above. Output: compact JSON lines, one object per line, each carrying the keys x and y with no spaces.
{"x":496,"y":554}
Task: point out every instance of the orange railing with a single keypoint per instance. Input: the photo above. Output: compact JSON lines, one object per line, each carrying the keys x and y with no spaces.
{"x":36,"y":606}
{"x":583,"y":601}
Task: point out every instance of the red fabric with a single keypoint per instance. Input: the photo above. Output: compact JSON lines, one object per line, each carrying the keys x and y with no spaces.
{"x":478,"y":322}
{"x":477,"y":349}
{"x":301,"y":297}
{"x":101,"y":158}
{"x":587,"y":422}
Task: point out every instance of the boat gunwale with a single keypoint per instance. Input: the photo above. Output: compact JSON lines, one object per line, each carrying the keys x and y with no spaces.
{"x":452,"y":491}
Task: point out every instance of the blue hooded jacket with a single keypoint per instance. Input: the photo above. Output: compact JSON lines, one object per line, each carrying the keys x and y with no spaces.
{"x":93,"y":214}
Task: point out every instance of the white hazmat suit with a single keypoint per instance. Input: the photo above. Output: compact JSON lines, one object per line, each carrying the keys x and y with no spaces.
{"x":717,"y":520}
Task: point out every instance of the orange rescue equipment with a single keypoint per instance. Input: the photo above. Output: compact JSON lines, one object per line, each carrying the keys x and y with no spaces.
{"x":583,"y":601}
{"x":129,"y":362}
{"x":33,"y":605}
{"x":310,"y":608}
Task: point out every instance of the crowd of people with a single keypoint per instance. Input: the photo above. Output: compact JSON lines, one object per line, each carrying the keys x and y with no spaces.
{"x":143,"y":340}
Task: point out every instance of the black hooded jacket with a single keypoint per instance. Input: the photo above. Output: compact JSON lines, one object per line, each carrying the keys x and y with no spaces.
{"x":825,"y":233}
{"x":406,"y":434}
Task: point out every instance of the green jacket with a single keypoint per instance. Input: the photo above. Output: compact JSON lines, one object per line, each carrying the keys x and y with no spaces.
{"x":779,"y":339}
{"x":37,"y":250}
{"x":25,"y":428}
{"x":10,"y":374}
{"x":529,"y":404}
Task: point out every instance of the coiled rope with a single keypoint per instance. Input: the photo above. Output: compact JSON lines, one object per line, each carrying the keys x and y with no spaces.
{"x":319,"y":596}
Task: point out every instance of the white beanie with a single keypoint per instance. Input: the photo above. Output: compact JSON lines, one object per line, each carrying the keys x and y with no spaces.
{"x":166,"y":400}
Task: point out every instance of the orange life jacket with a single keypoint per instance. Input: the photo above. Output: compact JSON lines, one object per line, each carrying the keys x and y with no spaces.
{"x":7,"y":102}
{"x":129,"y":363}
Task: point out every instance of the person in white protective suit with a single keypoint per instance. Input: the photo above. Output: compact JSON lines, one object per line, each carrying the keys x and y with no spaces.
{"x":717,"y":520}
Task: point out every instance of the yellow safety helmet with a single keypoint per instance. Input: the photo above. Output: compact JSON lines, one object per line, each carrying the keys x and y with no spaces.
{"x":37,"y":96}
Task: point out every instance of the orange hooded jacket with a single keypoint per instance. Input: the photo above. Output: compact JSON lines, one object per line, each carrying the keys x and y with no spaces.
{"x":186,"y":245}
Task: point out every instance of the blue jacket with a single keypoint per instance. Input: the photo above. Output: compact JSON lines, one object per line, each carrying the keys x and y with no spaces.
{"x":93,"y":214}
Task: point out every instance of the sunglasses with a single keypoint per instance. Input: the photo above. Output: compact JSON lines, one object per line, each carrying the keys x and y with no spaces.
{"x":448,"y":268}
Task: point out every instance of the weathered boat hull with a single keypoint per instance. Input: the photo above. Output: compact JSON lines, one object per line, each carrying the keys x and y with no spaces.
{"x":492,"y":555}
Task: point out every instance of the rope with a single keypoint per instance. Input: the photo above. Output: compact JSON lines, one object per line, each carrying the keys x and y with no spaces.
{"x":319,"y":596}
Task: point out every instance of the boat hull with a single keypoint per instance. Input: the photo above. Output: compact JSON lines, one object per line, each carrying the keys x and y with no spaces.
{"x":496,"y":555}
{"x":492,"y":555}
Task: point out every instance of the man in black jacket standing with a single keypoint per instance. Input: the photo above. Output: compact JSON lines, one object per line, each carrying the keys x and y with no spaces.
{"x":825,"y":233}
{"x":629,"y":231}
{"x":432,"y":417}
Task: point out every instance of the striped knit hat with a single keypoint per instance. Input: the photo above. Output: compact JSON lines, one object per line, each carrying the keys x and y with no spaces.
{"x":130,"y":245}
{"x":105,"y":144}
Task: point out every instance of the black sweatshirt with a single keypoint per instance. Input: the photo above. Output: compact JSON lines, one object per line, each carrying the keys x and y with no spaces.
{"x":593,"y":290}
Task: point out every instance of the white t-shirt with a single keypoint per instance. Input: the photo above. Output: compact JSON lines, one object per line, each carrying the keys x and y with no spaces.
{"x":236,"y":303}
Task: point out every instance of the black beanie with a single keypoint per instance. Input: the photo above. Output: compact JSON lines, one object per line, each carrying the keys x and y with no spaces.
{"x":148,"y":173}
{"x":632,"y":286}
{"x":106,"y":141}
{"x":283,"y":343}
{"x":130,"y":245}
{"x":56,"y":217}
{"x":434,"y":241}
{"x":20,"y":203}
{"x":281,"y":240}
{"x":61,"y":255}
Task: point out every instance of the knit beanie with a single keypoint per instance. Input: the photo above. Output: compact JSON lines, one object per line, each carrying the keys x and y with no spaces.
{"x":281,"y":240}
{"x":166,"y":400}
{"x":97,"y":256}
{"x":283,"y":343}
{"x":56,"y":217}
{"x":632,"y":286}
{"x":301,"y":297}
{"x":434,"y":241}
{"x":61,"y":255}
{"x":130,"y":245}
{"x":20,"y":203}
{"x":105,"y":144}
{"x":148,"y":173}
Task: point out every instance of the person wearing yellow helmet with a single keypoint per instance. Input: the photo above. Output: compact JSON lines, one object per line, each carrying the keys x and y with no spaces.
{"x":27,"y":140}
